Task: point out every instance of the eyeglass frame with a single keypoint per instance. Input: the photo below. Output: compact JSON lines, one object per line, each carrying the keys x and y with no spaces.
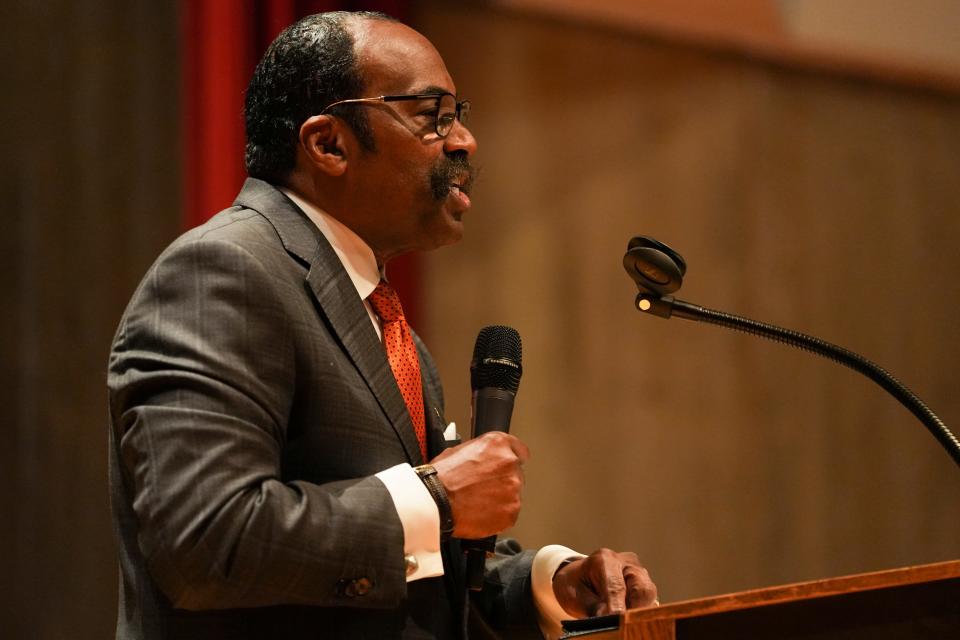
{"x":461,"y":111}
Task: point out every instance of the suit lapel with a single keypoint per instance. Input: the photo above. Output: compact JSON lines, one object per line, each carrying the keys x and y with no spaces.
{"x":432,"y":399}
{"x":432,"y":407}
{"x":435,"y":424}
{"x":339,"y":302}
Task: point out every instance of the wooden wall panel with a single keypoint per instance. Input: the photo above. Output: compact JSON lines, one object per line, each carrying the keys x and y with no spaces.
{"x":91,"y":170}
{"x":824,"y":203}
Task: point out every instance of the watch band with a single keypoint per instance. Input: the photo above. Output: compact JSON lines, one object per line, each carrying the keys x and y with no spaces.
{"x":428,"y":475}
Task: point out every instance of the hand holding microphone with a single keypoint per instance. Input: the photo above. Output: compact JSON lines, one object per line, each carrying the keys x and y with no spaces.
{"x":483,"y":477}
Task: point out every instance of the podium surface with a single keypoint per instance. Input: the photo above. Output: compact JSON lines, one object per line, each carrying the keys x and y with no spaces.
{"x":921,"y":602}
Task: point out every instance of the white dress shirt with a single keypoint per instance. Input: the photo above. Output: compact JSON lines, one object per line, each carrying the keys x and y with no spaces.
{"x":417,"y":510}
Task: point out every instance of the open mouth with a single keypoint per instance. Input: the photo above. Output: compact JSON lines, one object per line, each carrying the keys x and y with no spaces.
{"x":460,"y":189}
{"x":453,"y":176}
{"x":461,"y":184}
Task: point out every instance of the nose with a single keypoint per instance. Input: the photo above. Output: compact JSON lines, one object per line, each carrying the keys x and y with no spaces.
{"x":460,"y":139}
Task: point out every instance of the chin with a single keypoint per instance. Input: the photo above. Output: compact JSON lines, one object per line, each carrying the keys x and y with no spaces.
{"x":451,"y":234}
{"x":440,"y":227}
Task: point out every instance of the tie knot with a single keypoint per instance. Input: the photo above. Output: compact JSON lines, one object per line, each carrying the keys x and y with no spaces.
{"x":386,"y":302}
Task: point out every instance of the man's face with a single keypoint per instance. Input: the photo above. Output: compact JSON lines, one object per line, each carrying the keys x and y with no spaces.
{"x":409,"y":187}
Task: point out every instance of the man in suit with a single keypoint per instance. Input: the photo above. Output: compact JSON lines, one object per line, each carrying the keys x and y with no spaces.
{"x":272,"y":413}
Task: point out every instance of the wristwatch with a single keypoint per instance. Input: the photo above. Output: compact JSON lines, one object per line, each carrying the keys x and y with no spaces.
{"x":428,"y":475}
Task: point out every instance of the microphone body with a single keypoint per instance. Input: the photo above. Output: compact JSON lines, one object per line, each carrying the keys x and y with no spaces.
{"x":495,"y":372}
{"x":491,"y":409}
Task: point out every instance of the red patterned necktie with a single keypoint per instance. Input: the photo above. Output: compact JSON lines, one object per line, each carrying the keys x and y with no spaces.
{"x":402,"y":355}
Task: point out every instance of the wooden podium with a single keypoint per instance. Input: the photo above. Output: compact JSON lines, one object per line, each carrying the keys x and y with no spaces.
{"x":902,"y":604}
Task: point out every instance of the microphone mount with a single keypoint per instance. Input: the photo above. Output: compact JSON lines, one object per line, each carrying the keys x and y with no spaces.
{"x":658,"y":272}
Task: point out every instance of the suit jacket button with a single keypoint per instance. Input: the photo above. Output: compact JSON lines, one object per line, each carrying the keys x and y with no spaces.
{"x":362,"y":586}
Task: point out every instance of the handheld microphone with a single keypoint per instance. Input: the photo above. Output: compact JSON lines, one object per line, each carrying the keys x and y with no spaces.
{"x":495,"y":371}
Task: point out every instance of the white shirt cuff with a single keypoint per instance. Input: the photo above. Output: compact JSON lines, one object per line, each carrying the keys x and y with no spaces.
{"x":420,"y":519}
{"x":545,"y":565}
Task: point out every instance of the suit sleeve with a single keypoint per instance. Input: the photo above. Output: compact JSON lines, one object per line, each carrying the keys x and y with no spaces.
{"x":506,"y":602}
{"x":201,"y":379}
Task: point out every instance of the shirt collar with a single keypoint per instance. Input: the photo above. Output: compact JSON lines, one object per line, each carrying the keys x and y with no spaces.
{"x":355,"y":254}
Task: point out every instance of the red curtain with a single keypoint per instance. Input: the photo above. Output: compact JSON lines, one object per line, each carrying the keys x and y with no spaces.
{"x":222,"y":42}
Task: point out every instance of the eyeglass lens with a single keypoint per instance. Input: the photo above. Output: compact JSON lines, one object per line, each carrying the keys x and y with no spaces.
{"x":448,"y":111}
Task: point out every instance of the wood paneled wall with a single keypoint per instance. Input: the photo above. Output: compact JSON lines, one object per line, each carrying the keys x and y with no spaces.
{"x":91,"y":170}
{"x":826,"y":204}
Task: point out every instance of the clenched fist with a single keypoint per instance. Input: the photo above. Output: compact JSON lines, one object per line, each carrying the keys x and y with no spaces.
{"x":483,"y":479}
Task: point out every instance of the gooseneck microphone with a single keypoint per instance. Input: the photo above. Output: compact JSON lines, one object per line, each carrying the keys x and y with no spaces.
{"x":495,"y":371}
{"x":658,"y":271}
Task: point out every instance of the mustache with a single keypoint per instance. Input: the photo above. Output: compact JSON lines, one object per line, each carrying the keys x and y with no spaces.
{"x":449,"y":169}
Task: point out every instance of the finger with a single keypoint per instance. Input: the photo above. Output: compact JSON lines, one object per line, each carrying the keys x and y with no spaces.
{"x":611,"y":586}
{"x":641,"y":591}
{"x":519,"y":449}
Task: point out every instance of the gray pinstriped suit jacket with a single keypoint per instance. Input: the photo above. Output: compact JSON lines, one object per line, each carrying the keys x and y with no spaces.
{"x":251,"y":402}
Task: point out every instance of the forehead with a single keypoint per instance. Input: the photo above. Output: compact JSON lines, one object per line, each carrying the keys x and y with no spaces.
{"x":395,"y":59}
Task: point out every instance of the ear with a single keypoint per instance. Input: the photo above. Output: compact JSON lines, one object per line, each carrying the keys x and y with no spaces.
{"x":322,"y":140}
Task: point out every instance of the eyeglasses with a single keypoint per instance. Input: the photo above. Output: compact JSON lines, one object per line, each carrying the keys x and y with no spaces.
{"x":448,"y":109}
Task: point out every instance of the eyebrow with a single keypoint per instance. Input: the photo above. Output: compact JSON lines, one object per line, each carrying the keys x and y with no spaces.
{"x":432,"y":89}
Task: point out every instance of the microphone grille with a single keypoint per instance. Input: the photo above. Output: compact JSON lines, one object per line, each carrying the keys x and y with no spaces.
{"x":497,"y":357}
